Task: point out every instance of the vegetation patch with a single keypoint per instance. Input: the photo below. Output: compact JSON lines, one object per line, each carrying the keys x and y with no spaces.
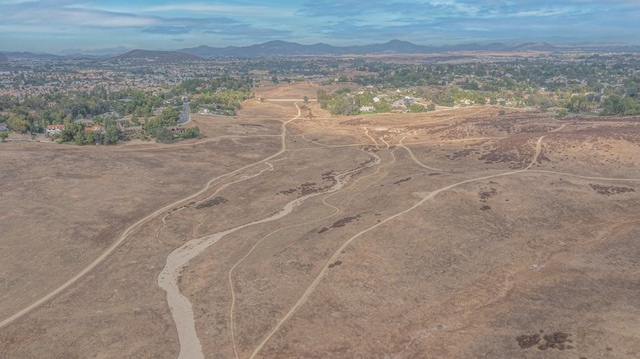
{"x":402,"y":180}
{"x":610,"y":190}
{"x":344,"y":221}
{"x":557,"y":340}
{"x":211,"y":202}
{"x":487,"y":193}
{"x":305,"y":189}
{"x":460,"y":154}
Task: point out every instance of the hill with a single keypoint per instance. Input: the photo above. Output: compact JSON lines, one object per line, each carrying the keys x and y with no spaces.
{"x":284,"y":48}
{"x":478,"y":232}
{"x":155,"y":56}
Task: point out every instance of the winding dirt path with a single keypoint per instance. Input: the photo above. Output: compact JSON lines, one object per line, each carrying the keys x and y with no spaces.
{"x":414,"y":157}
{"x":537,"y":154}
{"x":179,"y":305}
{"x":137,"y":224}
{"x":311,"y":288}
{"x":559,"y":128}
{"x":341,"y":180}
{"x":366,"y":133}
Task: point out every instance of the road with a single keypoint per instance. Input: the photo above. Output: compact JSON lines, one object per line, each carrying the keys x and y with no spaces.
{"x":185,"y":114}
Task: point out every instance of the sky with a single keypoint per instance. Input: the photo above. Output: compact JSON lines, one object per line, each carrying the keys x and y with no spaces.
{"x":67,"y":26}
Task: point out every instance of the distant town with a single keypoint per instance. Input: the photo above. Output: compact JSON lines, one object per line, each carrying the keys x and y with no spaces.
{"x":148,"y":95}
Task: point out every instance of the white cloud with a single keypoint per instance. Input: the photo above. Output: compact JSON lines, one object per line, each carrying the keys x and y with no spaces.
{"x":222,"y":9}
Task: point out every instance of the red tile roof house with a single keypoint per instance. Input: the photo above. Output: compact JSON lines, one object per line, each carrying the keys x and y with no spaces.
{"x":55,"y":129}
{"x":94,"y":128}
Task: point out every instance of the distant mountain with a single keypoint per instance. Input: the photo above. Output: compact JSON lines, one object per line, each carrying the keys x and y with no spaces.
{"x":98,"y":53}
{"x":30,"y":56}
{"x":536,"y":46}
{"x":155,"y":56}
{"x":283,"y":48}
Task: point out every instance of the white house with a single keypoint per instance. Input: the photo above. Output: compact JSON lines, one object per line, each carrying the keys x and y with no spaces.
{"x":55,"y":129}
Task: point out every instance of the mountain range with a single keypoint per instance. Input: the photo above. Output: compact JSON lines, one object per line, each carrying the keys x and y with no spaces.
{"x":284,"y":48}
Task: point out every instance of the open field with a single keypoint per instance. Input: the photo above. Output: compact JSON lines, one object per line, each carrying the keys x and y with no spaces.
{"x":453,"y":234}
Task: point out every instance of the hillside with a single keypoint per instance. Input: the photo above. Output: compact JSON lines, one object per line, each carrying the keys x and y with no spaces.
{"x":285,"y":232}
{"x":155,"y":56}
{"x":284,"y":48}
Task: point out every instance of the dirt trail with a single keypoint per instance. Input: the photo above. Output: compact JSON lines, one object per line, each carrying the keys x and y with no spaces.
{"x":179,"y":305}
{"x":559,"y":128}
{"x":537,"y":154}
{"x":311,"y":288}
{"x":414,"y":157}
{"x":154,"y":147}
{"x":366,"y":133}
{"x":341,"y":180}
{"x":130,"y":229}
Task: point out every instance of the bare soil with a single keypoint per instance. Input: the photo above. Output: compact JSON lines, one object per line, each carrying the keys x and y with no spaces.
{"x":508,"y":250}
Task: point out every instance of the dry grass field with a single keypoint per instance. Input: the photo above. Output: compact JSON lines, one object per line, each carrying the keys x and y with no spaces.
{"x":452,"y":234}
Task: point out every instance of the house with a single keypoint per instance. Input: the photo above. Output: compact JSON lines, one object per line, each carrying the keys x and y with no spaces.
{"x":94,"y":128}
{"x":55,"y":129}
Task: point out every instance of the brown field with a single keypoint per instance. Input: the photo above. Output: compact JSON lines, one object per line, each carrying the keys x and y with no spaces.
{"x":452,"y":234}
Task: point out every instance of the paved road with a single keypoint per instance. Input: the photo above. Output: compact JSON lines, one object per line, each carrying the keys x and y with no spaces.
{"x":184,"y":116}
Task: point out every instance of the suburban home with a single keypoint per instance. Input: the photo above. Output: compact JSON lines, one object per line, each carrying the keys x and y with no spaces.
{"x":94,"y":128}
{"x":55,"y":129}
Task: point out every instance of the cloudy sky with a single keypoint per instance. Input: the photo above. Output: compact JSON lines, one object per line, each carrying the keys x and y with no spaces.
{"x":66,"y":26}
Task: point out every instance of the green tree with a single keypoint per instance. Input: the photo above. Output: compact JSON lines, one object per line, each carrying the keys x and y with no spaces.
{"x":344,"y":105}
{"x":98,"y":137}
{"x":111,"y":134}
{"x":163,"y":135}
{"x":18,"y":123}
{"x":417,"y":108}
{"x":191,"y":132}
{"x":323,"y":98}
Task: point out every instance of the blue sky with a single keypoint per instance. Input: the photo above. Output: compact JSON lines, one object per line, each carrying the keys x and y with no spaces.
{"x":66,"y":26}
